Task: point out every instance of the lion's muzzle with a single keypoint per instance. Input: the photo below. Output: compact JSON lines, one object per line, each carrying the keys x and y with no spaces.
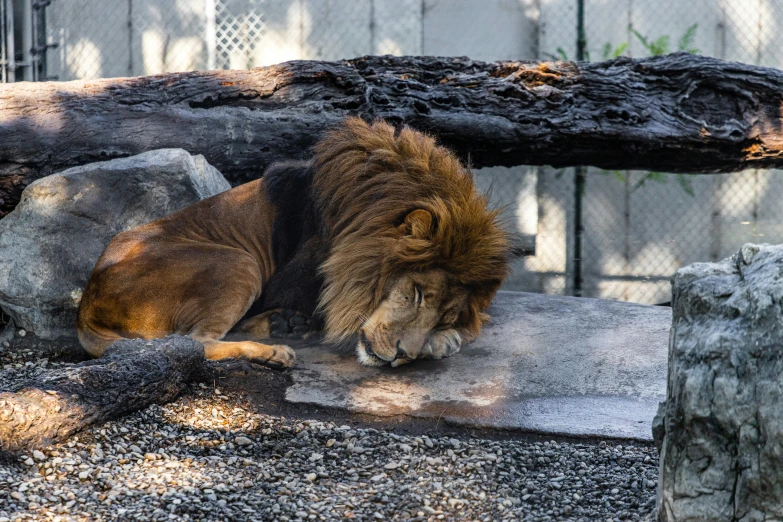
{"x":368,"y":356}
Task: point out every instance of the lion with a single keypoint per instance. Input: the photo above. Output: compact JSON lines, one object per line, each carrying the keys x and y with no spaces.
{"x":382,"y":237}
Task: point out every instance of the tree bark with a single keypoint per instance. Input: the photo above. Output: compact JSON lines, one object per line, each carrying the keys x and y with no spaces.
{"x":129,"y":376}
{"x":676,"y":113}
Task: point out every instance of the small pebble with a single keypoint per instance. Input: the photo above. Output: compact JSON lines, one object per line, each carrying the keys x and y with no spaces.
{"x":243,"y":441}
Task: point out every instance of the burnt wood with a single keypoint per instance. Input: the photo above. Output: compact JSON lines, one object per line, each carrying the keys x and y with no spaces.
{"x":131,"y":375}
{"x":674,"y":113}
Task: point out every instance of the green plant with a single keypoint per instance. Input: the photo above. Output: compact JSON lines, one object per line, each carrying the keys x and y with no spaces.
{"x":660,"y":46}
{"x":608,"y":53}
{"x":683,"y":180}
{"x":686,"y":42}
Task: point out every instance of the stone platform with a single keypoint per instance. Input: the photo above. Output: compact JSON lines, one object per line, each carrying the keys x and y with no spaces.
{"x":545,"y":364}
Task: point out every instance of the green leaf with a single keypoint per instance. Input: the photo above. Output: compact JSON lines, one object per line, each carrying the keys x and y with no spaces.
{"x":607,"y":52}
{"x":619,"y":175}
{"x":686,"y":42}
{"x":639,"y":184}
{"x":685,"y":182}
{"x":658,"y":177}
{"x":655,"y":48}
{"x":660,"y":46}
{"x":638,"y":35}
{"x":620,"y":49}
{"x":561,"y":52}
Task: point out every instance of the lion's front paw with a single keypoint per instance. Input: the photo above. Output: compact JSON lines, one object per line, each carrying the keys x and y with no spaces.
{"x":443,"y":343}
{"x":275,"y":356}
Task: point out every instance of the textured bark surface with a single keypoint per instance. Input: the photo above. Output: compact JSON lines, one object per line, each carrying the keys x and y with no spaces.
{"x":722,"y":423}
{"x":129,"y":376}
{"x":678,"y":113}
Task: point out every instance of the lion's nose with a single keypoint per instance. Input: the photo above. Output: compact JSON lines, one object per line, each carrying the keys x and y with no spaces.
{"x":400,"y":353}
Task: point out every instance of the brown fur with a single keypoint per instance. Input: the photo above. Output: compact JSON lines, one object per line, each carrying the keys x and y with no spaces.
{"x":375,"y":214}
{"x":368,"y":179}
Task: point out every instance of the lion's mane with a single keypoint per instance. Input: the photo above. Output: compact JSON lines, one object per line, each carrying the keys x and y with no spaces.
{"x":367,"y":179}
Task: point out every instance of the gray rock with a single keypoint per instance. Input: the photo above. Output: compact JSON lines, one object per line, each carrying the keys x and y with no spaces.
{"x":720,"y":457}
{"x":51,"y":241}
{"x":659,"y":425}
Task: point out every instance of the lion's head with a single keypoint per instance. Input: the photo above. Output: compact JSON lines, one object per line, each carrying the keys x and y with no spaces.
{"x":416,"y":256}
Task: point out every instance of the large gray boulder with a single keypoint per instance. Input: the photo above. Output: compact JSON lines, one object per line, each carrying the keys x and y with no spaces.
{"x":722,"y":423}
{"x":51,"y":241}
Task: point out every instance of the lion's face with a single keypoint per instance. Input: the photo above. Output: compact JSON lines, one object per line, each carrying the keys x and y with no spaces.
{"x":415,"y":253}
{"x":415,"y":319}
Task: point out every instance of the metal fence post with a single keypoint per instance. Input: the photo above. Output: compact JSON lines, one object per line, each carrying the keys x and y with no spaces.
{"x":579,"y":172}
{"x":3,"y":56}
{"x":9,"y":67}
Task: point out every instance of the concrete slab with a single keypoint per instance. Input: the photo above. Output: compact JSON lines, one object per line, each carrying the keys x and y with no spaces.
{"x":546,"y":364}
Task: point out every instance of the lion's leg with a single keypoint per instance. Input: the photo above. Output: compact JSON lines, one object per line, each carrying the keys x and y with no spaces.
{"x":218,"y":315}
{"x":277,"y":356}
{"x":212,"y":328}
{"x":94,"y":340}
{"x":201,"y":290}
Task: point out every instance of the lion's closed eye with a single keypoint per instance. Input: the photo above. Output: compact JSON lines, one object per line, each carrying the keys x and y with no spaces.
{"x":417,"y":295}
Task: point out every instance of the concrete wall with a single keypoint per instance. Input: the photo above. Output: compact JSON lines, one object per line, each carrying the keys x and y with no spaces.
{"x":108,"y":38}
{"x":482,"y":29}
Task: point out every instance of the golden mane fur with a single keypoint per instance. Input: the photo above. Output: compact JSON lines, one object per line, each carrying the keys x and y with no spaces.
{"x":367,"y":179}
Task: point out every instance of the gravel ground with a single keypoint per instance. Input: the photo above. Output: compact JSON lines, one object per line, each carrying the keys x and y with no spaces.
{"x":211,"y":456}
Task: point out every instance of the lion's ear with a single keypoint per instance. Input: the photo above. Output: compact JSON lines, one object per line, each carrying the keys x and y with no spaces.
{"x":417,"y":224}
{"x":520,"y":245}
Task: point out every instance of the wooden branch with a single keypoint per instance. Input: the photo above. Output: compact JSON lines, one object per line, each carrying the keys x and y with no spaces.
{"x":129,"y":376}
{"x":676,"y":113}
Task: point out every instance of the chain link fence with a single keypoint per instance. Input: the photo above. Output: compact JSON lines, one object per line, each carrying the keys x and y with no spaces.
{"x":639,"y":227}
{"x":142,"y":37}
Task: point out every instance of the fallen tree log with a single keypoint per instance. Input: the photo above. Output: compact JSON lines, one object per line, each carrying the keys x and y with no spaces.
{"x":676,"y":113}
{"x":130,"y":376}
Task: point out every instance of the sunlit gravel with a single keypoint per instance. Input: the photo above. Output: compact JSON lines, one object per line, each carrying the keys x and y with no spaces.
{"x":210,"y":456}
